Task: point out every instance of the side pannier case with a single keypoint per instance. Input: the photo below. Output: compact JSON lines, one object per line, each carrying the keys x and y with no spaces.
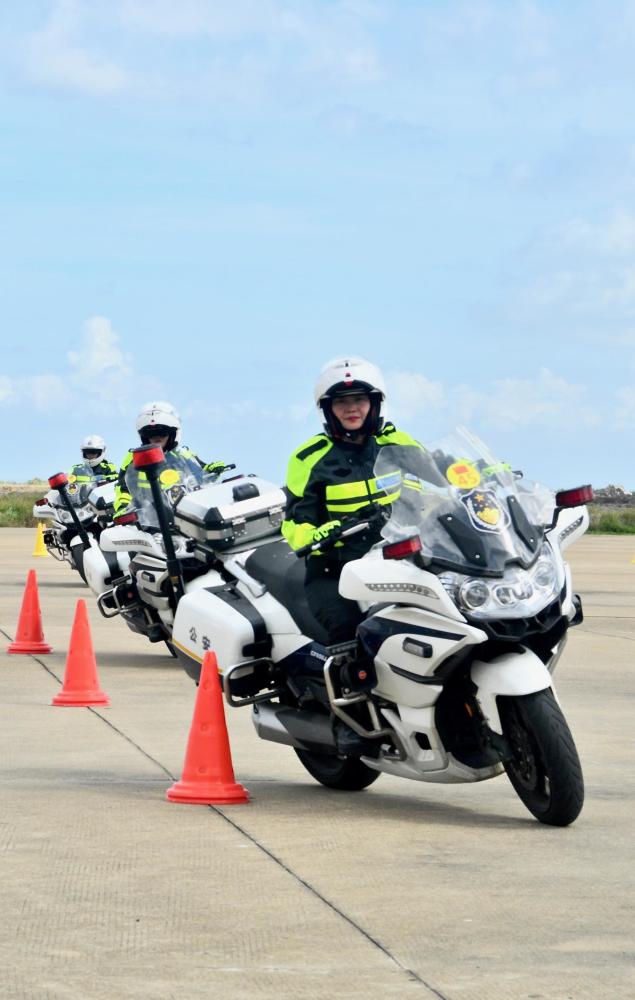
{"x":239,"y":514}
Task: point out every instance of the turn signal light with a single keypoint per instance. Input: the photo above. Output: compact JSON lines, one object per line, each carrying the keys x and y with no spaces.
{"x":41,"y":503}
{"x":59,"y":479}
{"x":401,"y":550}
{"x":574,"y":498}
{"x":130,"y":518}
{"x":147,"y":454}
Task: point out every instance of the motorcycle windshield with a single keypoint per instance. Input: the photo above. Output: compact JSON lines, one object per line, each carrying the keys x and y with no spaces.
{"x":80,"y":483}
{"x":471,"y":511}
{"x":178,"y":475}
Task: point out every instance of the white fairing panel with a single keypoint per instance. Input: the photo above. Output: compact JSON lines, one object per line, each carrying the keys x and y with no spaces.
{"x":97,"y":571}
{"x":205,"y":623}
{"x":571,"y":525}
{"x":129,"y":539}
{"x":406,"y":660}
{"x":374,"y":579}
{"x":509,"y":674}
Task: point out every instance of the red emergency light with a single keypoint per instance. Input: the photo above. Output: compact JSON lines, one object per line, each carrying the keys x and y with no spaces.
{"x":401,"y":550}
{"x":147,"y":454}
{"x":575,"y":497}
{"x":130,"y":518}
{"x":59,"y":479}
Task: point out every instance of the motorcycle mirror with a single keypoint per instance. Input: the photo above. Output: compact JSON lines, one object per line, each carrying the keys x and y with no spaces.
{"x":574,"y":497}
{"x":59,"y":479}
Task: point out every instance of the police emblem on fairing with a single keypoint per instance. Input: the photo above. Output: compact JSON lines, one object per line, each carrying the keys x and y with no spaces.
{"x":485,"y":511}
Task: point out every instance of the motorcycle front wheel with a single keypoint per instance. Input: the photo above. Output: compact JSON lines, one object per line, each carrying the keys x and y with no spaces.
{"x":348,"y":774}
{"x":544,"y":767}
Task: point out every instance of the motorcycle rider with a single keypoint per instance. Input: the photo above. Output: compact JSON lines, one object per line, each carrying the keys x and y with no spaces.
{"x":93,"y":450}
{"x":332,"y":475}
{"x":158,"y":423}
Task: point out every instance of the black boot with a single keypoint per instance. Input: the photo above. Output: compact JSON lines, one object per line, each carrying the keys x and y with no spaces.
{"x":351,"y":744}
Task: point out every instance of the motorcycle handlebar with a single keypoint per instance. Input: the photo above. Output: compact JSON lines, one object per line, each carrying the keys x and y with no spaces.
{"x":353,"y":525}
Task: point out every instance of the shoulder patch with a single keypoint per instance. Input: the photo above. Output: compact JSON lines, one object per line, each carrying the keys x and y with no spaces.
{"x":316,"y":444}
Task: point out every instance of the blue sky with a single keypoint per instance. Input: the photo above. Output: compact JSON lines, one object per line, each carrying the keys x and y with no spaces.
{"x":204,"y":201}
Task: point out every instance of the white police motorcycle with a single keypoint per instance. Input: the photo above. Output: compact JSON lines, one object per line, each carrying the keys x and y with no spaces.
{"x":134,"y":573}
{"x":75,"y":511}
{"x":467,"y":602}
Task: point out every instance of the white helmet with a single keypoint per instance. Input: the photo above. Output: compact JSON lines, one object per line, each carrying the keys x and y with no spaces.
{"x":346,"y":376}
{"x":160,"y":417}
{"x":93,"y":443}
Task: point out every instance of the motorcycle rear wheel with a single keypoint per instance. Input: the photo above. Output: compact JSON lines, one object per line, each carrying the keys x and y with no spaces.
{"x":544,"y":769}
{"x":348,"y":774}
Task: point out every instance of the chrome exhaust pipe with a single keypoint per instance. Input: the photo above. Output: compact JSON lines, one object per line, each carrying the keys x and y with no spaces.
{"x":302,"y":730}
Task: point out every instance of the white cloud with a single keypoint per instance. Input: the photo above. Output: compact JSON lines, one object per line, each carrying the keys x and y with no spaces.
{"x":244,"y":49}
{"x":6,"y":388}
{"x":614,"y":237}
{"x":100,"y":379}
{"x":54,"y":57}
{"x":100,"y":360}
{"x":543,"y":401}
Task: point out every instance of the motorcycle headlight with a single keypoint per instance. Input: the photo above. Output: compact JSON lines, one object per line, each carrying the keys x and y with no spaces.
{"x":474,"y":594}
{"x":544,"y":574}
{"x":519,"y":593}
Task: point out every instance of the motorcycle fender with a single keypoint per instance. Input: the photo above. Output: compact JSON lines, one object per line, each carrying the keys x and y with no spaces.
{"x":509,"y":674}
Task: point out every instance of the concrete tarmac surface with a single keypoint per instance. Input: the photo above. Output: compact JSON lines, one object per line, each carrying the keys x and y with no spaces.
{"x":408,"y":889}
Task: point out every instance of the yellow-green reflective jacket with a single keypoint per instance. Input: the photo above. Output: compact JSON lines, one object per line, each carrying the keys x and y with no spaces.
{"x":177,"y":463}
{"x":328,"y":480}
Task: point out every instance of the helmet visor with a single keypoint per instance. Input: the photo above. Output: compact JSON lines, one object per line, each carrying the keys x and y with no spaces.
{"x":91,"y":452}
{"x":156,"y":430}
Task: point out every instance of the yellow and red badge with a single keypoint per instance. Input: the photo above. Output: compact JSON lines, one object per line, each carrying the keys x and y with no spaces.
{"x":169,"y":477}
{"x":463,"y":474}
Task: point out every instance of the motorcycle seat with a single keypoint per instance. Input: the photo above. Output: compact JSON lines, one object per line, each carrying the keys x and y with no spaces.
{"x":278,"y":567}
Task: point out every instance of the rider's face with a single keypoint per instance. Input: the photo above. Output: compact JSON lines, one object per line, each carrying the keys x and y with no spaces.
{"x":159,"y":439}
{"x":351,"y":411}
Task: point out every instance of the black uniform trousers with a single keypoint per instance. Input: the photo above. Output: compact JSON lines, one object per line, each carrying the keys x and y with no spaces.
{"x":339,"y":616}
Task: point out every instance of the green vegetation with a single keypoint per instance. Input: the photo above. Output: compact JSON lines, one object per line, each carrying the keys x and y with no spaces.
{"x":16,"y":508}
{"x":611,"y":520}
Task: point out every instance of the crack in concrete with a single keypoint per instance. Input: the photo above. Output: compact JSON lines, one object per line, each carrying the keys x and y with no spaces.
{"x":375,"y":942}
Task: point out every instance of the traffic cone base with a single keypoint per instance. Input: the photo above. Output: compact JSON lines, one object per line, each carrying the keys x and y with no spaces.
{"x":208,"y":773}
{"x":210,"y":793}
{"x":29,"y":635}
{"x":80,"y":699}
{"x":81,"y":683}
{"x":29,"y":647}
{"x":40,"y":548}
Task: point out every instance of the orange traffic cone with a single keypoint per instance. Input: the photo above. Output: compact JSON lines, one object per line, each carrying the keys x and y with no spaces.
{"x":208,"y":774}
{"x":30,"y":638}
{"x":81,"y":683}
{"x":39,"y":548}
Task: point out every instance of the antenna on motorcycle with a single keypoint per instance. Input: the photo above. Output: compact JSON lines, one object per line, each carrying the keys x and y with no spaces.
{"x":148,"y":458}
{"x":575,"y":497}
{"x":59,"y":482}
{"x":59,"y":479}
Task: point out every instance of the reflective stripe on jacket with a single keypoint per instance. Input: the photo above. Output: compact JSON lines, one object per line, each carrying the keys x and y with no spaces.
{"x":329,"y":479}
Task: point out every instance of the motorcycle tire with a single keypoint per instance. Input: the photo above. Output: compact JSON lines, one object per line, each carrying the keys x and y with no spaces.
{"x":348,"y":774}
{"x":544,"y":768}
